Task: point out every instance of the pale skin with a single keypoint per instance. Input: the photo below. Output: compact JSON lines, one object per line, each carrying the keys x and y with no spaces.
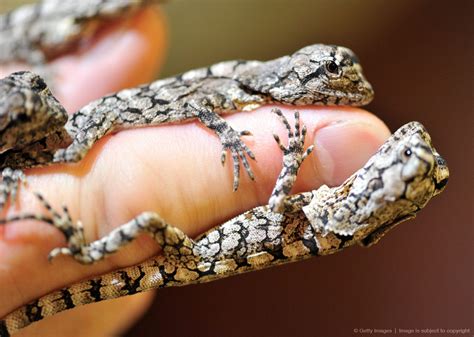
{"x":173,"y":170}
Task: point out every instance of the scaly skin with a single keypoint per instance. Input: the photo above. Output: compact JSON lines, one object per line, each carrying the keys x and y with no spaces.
{"x":395,"y":184}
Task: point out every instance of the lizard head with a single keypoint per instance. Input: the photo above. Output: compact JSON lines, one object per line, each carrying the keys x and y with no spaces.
{"x":28,"y":110}
{"x":322,"y":74}
{"x":396,"y":183}
{"x":411,"y":160}
{"x":399,"y":180}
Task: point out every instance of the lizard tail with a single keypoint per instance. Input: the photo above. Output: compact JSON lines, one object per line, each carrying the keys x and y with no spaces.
{"x":127,"y":281}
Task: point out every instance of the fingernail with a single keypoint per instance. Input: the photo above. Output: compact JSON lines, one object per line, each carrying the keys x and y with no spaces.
{"x":341,"y":148}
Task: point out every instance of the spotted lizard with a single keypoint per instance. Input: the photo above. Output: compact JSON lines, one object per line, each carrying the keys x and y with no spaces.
{"x":395,"y":184}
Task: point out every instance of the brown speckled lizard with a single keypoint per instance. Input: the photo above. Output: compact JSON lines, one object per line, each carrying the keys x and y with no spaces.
{"x":392,"y":187}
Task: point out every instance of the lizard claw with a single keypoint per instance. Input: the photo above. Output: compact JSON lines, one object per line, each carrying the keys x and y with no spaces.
{"x":230,"y":140}
{"x":74,"y":233}
{"x":239,"y":151}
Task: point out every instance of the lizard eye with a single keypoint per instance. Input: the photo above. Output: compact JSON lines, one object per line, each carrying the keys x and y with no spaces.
{"x":332,"y":67}
{"x":39,"y":84}
{"x":406,"y":154}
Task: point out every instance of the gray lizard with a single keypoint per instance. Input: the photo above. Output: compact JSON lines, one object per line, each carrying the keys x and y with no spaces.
{"x":317,"y":75}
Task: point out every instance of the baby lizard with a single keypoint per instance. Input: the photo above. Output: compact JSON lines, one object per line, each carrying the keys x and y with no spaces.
{"x":317,"y":75}
{"x":392,"y":187}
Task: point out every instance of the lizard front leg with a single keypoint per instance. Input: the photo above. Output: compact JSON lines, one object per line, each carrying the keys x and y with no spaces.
{"x":293,"y":156}
{"x":114,"y":112}
{"x":230,"y":140}
{"x":88,"y":130}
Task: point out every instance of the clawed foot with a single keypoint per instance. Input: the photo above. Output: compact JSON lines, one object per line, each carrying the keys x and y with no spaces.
{"x":11,"y":180}
{"x":74,"y":233}
{"x":229,"y":138}
{"x":293,"y":156}
{"x":231,"y":141}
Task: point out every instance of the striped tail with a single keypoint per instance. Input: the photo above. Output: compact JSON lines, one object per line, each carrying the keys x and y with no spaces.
{"x":128,"y":281}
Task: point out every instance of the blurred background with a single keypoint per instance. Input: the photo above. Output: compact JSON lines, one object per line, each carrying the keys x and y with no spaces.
{"x":418,"y":55}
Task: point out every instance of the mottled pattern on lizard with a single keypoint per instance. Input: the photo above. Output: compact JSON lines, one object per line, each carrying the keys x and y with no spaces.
{"x":317,"y":75}
{"x":395,"y":184}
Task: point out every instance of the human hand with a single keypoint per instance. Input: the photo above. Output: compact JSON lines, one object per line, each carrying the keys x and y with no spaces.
{"x":173,"y":170}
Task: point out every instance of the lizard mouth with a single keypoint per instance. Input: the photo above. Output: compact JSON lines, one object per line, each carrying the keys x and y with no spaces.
{"x":441,"y":174}
{"x":365,"y":92}
{"x":441,"y":185}
{"x":356,"y":98}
